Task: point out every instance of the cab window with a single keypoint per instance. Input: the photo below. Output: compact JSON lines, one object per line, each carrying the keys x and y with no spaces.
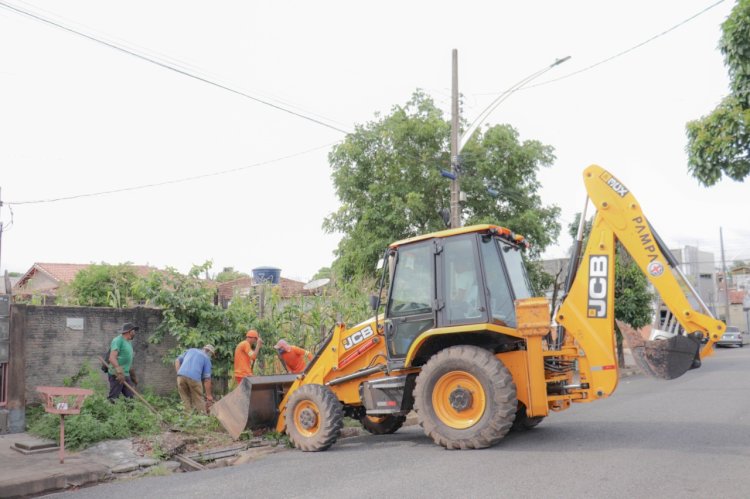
{"x":516,"y":270}
{"x":502,"y":309}
{"x":413,"y":282}
{"x":464,"y":295}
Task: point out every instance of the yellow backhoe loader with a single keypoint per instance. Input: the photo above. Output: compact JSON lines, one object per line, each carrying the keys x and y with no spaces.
{"x":462,"y":342}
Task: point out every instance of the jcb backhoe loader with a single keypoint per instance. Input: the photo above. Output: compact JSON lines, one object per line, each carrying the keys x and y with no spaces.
{"x":462,"y":342}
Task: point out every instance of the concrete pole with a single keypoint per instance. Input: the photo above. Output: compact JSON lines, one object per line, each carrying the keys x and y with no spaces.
{"x":726,"y":275}
{"x":455,"y":186}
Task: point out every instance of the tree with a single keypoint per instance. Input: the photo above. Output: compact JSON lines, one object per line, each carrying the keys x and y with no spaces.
{"x":387,"y":177}
{"x":104,"y":285}
{"x":323,"y":273}
{"x":192,"y":317}
{"x":229,"y":274}
{"x":719,"y":143}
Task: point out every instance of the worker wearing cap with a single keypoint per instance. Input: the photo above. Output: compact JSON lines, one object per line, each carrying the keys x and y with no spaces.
{"x":295,"y":358}
{"x":194,"y":367}
{"x":245,"y":355}
{"x":121,"y":363}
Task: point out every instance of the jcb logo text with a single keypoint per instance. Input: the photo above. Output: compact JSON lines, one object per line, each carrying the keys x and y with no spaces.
{"x":598,"y":285}
{"x":358,"y":337}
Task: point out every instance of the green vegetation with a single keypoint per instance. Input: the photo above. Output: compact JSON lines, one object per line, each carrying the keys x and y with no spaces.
{"x":102,"y":420}
{"x":229,"y":274}
{"x":387,"y":177}
{"x":192,"y":318}
{"x":104,"y":285}
{"x":718,"y":143}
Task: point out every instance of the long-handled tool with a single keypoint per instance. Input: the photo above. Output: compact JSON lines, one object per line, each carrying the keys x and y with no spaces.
{"x":140,"y":397}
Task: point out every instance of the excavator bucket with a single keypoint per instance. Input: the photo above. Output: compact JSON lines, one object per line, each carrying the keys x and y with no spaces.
{"x":664,"y":358}
{"x":253,"y":404}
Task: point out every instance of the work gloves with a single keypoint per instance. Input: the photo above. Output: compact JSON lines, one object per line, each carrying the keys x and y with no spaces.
{"x":120,"y":375}
{"x":132,"y":378}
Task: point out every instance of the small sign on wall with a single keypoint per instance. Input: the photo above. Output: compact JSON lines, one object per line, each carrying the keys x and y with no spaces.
{"x":74,"y":323}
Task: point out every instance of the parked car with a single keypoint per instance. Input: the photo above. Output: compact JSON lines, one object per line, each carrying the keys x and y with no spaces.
{"x":733,"y":337}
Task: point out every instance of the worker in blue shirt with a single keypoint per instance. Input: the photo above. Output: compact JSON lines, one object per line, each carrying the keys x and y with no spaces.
{"x":194,"y":367}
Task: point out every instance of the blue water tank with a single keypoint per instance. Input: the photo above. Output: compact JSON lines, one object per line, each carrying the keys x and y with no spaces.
{"x":266,"y":274}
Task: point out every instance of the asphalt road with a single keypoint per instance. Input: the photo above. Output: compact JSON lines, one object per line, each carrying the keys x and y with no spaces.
{"x":688,"y":437}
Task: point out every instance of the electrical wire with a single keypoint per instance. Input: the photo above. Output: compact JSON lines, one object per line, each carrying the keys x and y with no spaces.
{"x":169,"y":182}
{"x":167,"y":65}
{"x":626,"y":51}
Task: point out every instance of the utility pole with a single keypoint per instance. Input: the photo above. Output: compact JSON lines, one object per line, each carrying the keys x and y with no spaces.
{"x":726,"y":275}
{"x":455,"y":186}
{"x":1,"y":228}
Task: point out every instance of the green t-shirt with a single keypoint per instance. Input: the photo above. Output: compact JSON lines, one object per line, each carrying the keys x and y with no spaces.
{"x":124,"y":354}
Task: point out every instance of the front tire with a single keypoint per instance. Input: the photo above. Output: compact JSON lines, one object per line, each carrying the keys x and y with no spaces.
{"x":465,"y":398}
{"x":382,"y":425}
{"x":314,"y":418}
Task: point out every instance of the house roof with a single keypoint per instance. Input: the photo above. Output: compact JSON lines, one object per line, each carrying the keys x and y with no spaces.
{"x":64,"y":273}
{"x":288,"y":288}
{"x":736,"y":296}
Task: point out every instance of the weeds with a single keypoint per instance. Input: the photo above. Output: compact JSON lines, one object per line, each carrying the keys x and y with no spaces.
{"x":158,"y":471}
{"x":278,"y":439}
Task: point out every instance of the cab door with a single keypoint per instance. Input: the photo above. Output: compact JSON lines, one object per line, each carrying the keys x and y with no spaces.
{"x":462,"y":290}
{"x":411,"y":301}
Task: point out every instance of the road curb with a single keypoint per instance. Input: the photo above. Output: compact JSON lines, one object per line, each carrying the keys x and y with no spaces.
{"x":39,"y":482}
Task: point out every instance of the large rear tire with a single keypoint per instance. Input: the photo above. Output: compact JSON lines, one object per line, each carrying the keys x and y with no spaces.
{"x":382,"y":425}
{"x":465,"y":398}
{"x":314,"y":418}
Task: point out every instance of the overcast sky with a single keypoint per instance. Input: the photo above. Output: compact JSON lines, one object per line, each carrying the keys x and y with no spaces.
{"x":78,"y":117}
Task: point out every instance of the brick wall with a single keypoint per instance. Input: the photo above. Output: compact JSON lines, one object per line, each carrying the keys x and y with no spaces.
{"x":58,"y":340}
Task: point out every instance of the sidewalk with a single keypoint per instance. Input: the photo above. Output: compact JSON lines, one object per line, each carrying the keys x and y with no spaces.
{"x":23,"y":475}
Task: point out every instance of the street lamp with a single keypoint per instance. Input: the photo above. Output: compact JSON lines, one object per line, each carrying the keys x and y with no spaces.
{"x":500,"y":98}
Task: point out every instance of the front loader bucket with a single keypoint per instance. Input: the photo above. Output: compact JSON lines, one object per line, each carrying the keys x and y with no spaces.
{"x":253,"y":404}
{"x":664,"y":359}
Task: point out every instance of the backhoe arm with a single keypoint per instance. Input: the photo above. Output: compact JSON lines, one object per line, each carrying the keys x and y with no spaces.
{"x":587,"y":311}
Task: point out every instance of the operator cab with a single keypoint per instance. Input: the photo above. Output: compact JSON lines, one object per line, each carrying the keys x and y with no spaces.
{"x":460,"y":277}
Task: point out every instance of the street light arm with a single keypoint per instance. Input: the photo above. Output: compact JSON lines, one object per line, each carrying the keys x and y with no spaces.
{"x":499,"y":100}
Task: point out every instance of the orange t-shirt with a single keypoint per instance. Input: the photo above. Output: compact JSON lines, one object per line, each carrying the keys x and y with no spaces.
{"x":244,"y":356}
{"x":295,"y":359}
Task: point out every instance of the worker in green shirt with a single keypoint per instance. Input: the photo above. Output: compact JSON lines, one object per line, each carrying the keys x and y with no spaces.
{"x":121,"y":363}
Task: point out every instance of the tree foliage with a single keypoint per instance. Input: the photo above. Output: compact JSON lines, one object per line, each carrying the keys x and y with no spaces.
{"x":719,"y":143}
{"x":104,"y":285}
{"x":193,"y":318}
{"x":387,"y":177}
{"x":229,"y":274}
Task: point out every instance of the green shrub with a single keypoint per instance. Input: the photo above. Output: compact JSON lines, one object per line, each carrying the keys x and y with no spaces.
{"x":99,"y":420}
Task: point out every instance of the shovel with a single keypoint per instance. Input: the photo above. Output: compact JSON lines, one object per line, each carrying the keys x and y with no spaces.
{"x":140,"y":397}
{"x":665,"y":358}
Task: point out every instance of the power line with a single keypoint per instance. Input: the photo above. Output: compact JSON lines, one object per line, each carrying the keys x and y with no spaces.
{"x":167,"y":182}
{"x":619,"y":54}
{"x":166,"y":65}
{"x":634,"y":47}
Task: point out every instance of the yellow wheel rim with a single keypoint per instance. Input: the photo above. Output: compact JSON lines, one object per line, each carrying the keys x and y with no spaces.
{"x":307,"y":418}
{"x":458,"y":399}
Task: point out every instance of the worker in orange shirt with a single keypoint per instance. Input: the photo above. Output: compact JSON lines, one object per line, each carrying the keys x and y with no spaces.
{"x":245,"y":354}
{"x":295,"y":358}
